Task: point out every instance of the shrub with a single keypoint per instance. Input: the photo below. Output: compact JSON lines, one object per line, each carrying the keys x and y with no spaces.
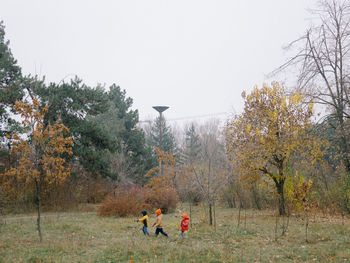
{"x":128,"y":201}
{"x":124,"y":202}
{"x":164,"y":198}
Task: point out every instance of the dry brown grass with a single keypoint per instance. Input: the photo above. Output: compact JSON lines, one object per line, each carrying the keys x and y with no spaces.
{"x":85,"y":237}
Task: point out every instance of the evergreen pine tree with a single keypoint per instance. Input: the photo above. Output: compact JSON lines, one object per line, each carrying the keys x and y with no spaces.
{"x":168,"y":138}
{"x":11,"y":88}
{"x":192,"y":146}
{"x":133,"y":158}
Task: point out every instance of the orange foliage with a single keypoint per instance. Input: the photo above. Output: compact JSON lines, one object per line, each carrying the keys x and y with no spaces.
{"x":162,"y":187}
{"x":124,"y":202}
{"x":40,"y":158}
{"x":164,"y":198}
{"x":167,"y":179}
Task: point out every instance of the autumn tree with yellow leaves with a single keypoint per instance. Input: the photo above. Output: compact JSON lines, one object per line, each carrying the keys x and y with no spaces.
{"x":41,"y":156}
{"x":272,"y":130}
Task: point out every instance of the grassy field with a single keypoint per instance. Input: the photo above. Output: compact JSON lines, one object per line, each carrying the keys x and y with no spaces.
{"x":84,"y":237}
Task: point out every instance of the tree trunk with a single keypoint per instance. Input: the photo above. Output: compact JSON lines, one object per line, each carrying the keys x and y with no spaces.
{"x":256,"y":197}
{"x":9,"y":156}
{"x":276,"y":227}
{"x":233,"y":202}
{"x":239,"y":213}
{"x":88,"y":190}
{"x":214,"y":216}
{"x":38,"y":222}
{"x":37,"y":200}
{"x":209,"y":199}
{"x":306,"y":226}
{"x":191,"y":213}
{"x":210,"y":214}
{"x":344,"y":146}
{"x":281,"y":202}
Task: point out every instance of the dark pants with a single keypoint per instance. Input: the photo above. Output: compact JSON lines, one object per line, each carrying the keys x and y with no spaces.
{"x":160,"y":230}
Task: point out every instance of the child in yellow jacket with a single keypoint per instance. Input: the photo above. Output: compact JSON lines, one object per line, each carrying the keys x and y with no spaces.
{"x":145,"y":221}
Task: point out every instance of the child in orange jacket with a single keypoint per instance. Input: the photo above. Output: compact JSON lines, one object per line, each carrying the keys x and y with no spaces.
{"x":184,"y":226}
{"x":159,"y":223}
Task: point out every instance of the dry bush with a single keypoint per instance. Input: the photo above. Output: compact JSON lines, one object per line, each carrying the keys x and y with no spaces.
{"x":193,"y":196}
{"x":74,"y":191}
{"x":164,"y":198}
{"x":79,"y":188}
{"x":124,"y":202}
{"x":127,"y":201}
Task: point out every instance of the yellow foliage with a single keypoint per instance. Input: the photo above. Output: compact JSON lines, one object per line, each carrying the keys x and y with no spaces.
{"x":281,"y":124}
{"x":249,"y":127}
{"x":297,"y":190}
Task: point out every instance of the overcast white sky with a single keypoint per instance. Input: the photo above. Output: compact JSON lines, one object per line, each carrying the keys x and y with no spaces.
{"x":195,"y":56}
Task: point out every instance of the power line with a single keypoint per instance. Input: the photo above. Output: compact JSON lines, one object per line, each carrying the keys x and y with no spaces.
{"x":192,"y":117}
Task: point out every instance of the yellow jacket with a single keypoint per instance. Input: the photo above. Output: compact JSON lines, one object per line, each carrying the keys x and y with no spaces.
{"x":144,"y":220}
{"x":159,"y":220}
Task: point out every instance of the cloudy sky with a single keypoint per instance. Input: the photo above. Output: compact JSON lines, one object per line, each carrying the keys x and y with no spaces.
{"x":195,"y":56}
